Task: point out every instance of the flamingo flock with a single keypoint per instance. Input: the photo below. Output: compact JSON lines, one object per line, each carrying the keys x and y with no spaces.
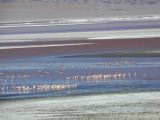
{"x":115,"y":76}
{"x":39,"y":88}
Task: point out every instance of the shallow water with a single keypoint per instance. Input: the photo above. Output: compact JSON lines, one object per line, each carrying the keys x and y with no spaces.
{"x":51,"y":76}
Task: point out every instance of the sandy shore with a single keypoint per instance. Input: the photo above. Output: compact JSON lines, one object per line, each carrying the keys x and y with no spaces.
{"x":128,"y":106}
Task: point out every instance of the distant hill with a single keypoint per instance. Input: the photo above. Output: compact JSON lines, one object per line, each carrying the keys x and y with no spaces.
{"x":105,"y":2}
{"x":41,"y":10}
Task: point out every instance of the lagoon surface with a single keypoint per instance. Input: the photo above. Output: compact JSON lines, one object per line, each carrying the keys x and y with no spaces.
{"x":79,"y":59}
{"x":63,"y":88}
{"x":51,"y":76}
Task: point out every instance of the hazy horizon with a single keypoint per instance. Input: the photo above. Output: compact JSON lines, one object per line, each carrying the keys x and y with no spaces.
{"x":41,"y":10}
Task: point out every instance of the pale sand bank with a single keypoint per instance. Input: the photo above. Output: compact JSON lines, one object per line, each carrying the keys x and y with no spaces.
{"x":128,"y":106}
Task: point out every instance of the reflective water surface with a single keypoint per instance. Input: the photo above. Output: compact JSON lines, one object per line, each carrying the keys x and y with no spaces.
{"x":51,"y":76}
